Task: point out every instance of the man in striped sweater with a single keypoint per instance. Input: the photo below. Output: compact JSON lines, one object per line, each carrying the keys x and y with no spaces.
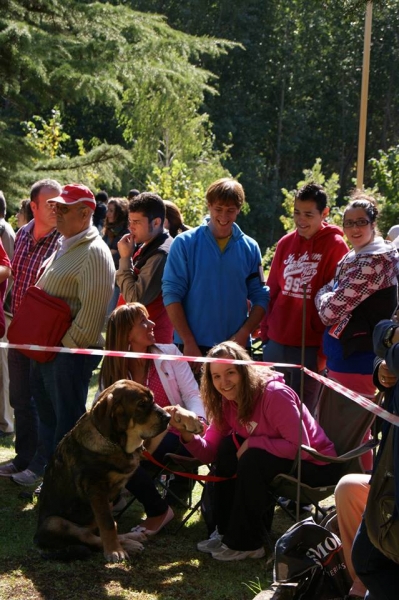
{"x":81,"y":272}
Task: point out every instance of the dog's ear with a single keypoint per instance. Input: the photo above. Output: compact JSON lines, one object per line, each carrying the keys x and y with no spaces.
{"x":120,"y":417}
{"x":126,"y":399}
{"x":101,"y":413}
{"x":111,"y":413}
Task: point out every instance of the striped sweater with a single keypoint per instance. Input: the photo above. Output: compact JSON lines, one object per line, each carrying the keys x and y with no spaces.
{"x":84,"y":277}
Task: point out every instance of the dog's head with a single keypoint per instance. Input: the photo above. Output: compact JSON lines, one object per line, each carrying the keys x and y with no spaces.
{"x":126,"y":414}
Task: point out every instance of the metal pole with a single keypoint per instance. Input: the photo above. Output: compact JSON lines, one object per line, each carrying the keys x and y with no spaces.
{"x":301,"y":393}
{"x":361,"y":150}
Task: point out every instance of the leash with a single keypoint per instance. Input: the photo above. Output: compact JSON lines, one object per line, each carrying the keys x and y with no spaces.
{"x":214,"y":478}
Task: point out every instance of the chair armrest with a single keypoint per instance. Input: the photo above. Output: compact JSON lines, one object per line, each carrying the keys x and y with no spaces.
{"x":188,"y":462}
{"x":366,"y":447}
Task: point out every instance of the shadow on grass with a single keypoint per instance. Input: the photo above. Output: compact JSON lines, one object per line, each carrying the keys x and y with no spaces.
{"x":170,"y":568}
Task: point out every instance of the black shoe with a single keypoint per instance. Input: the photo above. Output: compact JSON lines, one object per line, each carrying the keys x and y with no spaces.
{"x":5,"y":434}
{"x":31,"y":495}
{"x":291,"y":505}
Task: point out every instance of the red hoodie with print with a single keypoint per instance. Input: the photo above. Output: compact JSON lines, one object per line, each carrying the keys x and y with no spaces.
{"x":298,"y":261}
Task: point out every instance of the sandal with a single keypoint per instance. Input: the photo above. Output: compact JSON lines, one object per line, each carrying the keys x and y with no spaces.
{"x":167,"y":516}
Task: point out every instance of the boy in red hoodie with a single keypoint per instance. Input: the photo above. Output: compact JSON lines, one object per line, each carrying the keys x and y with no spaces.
{"x":308,"y":255}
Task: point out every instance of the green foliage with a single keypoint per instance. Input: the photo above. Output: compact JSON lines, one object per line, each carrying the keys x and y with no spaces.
{"x":145,"y":74}
{"x":357,"y":5}
{"x":293,"y":94}
{"x":254,"y":586}
{"x":176,"y":184}
{"x":101,"y":165}
{"x":97,"y":168}
{"x":315,"y":175}
{"x":12,"y":220}
{"x":47,"y":137}
{"x":282,"y":90}
{"x":267,"y":258}
{"x":385,"y":173}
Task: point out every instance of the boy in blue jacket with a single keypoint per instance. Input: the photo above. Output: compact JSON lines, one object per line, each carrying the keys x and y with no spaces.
{"x":213,"y":273}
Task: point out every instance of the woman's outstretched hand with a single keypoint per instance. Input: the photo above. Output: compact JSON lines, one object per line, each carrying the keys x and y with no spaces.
{"x":184,"y":420}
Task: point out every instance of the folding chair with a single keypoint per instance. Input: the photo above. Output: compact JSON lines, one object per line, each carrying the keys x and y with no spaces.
{"x":164,"y":474}
{"x":345,"y":424}
{"x":185,"y":465}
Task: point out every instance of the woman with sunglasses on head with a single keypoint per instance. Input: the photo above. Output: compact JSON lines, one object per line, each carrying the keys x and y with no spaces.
{"x":253,"y":434}
{"x":363,"y":291}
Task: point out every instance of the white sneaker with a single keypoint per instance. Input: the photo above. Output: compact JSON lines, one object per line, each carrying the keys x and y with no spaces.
{"x":225,"y":553}
{"x":26,"y":477}
{"x":212,"y":544}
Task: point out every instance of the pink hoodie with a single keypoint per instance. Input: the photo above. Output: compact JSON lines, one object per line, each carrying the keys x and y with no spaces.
{"x":273,"y":426}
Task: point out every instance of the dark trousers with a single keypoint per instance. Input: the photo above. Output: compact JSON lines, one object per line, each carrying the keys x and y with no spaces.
{"x":142,"y":485}
{"x":378,"y":573}
{"x":274,"y":352}
{"x":244,"y":506}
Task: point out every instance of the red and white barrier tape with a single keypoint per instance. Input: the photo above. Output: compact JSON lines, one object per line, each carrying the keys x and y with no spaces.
{"x":364,"y":402}
{"x":122,"y":354}
{"x":361,"y":400}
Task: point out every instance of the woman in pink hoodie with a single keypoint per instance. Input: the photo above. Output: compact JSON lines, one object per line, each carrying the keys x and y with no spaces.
{"x":253,"y":434}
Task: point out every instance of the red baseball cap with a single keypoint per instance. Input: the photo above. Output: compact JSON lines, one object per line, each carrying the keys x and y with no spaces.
{"x":74,"y":193}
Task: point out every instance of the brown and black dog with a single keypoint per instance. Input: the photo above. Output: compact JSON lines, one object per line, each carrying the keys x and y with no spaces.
{"x":90,"y":467}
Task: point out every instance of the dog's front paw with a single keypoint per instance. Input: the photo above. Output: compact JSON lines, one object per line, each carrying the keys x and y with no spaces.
{"x":117,"y":555}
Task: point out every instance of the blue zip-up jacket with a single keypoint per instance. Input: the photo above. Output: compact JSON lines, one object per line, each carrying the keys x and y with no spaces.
{"x":213,"y":286}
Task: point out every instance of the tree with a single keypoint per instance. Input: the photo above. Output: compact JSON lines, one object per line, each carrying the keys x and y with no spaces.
{"x":293,"y":93}
{"x":176,"y":184}
{"x":47,"y":137}
{"x":385,"y":173}
{"x":106,"y":55}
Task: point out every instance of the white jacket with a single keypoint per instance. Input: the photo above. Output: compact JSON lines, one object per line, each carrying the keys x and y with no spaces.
{"x":178,"y":380}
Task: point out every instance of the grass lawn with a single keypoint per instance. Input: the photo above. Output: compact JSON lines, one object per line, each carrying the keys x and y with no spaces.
{"x":170,"y":568}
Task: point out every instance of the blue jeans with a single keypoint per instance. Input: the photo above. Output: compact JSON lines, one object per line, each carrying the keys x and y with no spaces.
{"x":378,"y":573}
{"x":274,"y":352}
{"x":28,"y":450}
{"x":60,"y":389}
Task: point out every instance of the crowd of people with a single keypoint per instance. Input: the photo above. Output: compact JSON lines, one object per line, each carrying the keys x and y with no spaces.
{"x":131,"y":265}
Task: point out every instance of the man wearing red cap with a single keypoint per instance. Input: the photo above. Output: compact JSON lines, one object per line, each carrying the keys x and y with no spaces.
{"x":82,"y":273}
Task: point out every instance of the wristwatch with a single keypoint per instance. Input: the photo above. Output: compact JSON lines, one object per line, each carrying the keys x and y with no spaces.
{"x":390,"y":332}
